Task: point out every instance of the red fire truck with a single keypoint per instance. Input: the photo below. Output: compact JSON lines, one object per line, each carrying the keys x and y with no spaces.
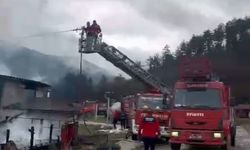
{"x":134,"y":107}
{"x":102,"y":108}
{"x":201,"y":113}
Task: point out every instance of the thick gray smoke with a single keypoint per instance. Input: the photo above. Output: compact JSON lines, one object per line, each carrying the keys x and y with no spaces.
{"x":116,"y":107}
{"x":28,"y":17}
{"x":4,"y":70}
{"x":19,"y":129}
{"x":22,"y":17}
{"x":26,"y":63}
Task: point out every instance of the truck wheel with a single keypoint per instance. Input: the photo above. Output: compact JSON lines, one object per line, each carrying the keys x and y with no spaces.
{"x":167,"y":140}
{"x":224,"y":147}
{"x":134,"y":137}
{"x":175,"y":146}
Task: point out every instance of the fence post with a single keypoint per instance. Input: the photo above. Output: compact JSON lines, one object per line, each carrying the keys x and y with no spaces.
{"x":7,"y":135}
{"x":58,"y":139}
{"x":96,"y":110}
{"x":32,"y":132}
{"x":50,"y":133}
{"x":41,"y":121}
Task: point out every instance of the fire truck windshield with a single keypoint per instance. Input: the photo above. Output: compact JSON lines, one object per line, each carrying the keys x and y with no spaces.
{"x":150,"y":102}
{"x":199,"y":99}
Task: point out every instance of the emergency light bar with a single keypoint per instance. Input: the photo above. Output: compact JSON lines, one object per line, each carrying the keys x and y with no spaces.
{"x":195,"y":68}
{"x":199,"y":85}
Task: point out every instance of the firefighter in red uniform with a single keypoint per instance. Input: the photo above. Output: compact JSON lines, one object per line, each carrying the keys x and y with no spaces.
{"x":95,"y":31}
{"x":95,"y":28}
{"x":149,"y":130}
{"x":116,"y":117}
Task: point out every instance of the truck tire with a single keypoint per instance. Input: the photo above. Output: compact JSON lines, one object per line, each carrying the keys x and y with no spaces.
{"x":224,"y":147}
{"x":175,"y":146}
{"x":167,"y":140}
{"x":134,"y":137}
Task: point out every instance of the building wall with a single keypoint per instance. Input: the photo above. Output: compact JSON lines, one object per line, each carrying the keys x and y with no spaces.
{"x":12,"y":93}
{"x":41,"y":93}
{"x":1,"y":90}
{"x":243,"y":113}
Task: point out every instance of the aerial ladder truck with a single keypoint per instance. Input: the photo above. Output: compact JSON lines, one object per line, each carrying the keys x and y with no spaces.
{"x":133,"y":105}
{"x":201,"y":111}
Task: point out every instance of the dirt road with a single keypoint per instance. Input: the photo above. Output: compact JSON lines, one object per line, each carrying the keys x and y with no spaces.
{"x":242,"y":143}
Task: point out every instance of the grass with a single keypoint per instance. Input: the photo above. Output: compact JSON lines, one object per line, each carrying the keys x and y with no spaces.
{"x":91,"y":129}
{"x":89,"y":134}
{"x":244,"y":122}
{"x":88,"y":130}
{"x":99,"y":119}
{"x":91,"y":117}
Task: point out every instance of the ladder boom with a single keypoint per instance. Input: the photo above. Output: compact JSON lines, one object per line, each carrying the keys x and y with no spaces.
{"x":120,"y":60}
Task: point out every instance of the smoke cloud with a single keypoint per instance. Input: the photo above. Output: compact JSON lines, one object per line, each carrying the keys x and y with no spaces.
{"x":4,"y":70}
{"x":144,"y":25}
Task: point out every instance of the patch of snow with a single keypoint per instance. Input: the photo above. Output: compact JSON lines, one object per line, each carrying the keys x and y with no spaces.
{"x":4,"y":70}
{"x":129,"y":145}
{"x":96,"y":123}
{"x":115,"y":131}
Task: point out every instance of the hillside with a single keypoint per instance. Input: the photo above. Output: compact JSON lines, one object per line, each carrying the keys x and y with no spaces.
{"x":27,"y":63}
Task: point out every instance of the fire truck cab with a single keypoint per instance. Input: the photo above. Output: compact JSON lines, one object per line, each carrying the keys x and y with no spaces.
{"x":135,"y":105}
{"x":201,"y":112}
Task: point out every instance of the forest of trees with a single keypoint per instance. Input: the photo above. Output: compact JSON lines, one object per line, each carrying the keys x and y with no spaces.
{"x":228,"y":47}
{"x":80,"y":87}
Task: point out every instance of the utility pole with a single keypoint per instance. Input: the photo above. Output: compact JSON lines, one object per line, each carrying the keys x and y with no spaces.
{"x":81,"y":47}
{"x":7,"y":135}
{"x":107,"y":95}
{"x":80,"y":63}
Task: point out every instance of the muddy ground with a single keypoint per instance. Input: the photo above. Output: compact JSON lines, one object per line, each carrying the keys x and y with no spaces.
{"x":242,"y":142}
{"x":108,"y":136}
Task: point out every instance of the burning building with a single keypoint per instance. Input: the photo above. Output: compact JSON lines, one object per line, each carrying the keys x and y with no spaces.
{"x":14,"y":92}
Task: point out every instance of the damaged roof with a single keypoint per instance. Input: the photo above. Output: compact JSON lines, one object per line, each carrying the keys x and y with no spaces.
{"x":29,"y":84}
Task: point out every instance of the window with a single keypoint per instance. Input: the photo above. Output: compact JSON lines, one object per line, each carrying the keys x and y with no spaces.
{"x":205,"y":98}
{"x":150,"y":102}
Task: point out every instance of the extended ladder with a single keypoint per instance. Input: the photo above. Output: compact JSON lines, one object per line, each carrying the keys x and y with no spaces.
{"x":120,"y":60}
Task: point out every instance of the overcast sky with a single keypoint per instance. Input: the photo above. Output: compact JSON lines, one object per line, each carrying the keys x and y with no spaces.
{"x":139,"y":28}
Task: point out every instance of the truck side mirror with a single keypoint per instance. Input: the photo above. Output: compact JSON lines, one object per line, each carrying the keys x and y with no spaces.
{"x":166,"y":102}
